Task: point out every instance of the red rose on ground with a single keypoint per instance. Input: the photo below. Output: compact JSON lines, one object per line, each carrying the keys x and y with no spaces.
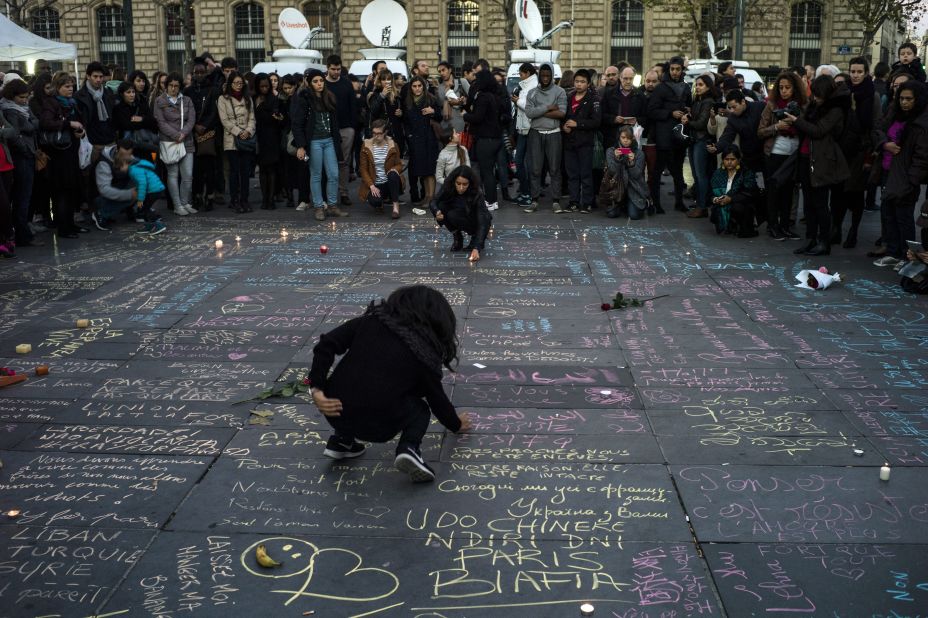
{"x":605,"y":306}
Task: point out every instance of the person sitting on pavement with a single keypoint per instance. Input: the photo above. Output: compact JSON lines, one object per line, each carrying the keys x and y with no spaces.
{"x":462,"y":208}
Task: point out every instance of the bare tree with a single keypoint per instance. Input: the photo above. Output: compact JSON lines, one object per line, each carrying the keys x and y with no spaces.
{"x":717,"y":17}
{"x":336,"y":8}
{"x":508,"y":10}
{"x":874,"y":13}
{"x":19,"y":11}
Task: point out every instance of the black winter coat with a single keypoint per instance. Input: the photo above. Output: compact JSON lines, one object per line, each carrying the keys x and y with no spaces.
{"x":668,"y":97}
{"x":423,"y":145}
{"x":303,"y":108}
{"x":123,"y":113}
{"x":745,"y":126}
{"x":823,"y":125}
{"x":588,"y":118}
{"x":611,"y":107}
{"x":268,"y":130}
{"x":909,"y":169}
{"x":98,"y":132}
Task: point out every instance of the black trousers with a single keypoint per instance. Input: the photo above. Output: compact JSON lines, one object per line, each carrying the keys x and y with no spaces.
{"x":672,"y":161}
{"x":389,"y":191}
{"x":408,"y":417}
{"x":267,"y":177}
{"x":815,"y":205}
{"x":780,"y":196}
{"x":486,"y":151}
{"x":207,"y":175}
{"x":841,"y":203}
{"x":579,"y":163}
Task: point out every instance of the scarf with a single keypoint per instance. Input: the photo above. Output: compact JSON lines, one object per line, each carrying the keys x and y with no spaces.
{"x":173,"y":100}
{"x":97,"y":95}
{"x":423,"y":347}
{"x":419,"y":100}
{"x":863,"y":99}
{"x":237,"y":95}
{"x":70,"y":110}
{"x":9,"y":105}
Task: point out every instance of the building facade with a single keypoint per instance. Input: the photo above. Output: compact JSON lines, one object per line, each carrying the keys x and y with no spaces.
{"x":604,"y":32}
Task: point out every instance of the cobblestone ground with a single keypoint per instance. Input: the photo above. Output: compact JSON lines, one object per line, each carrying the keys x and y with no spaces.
{"x":716,"y":452}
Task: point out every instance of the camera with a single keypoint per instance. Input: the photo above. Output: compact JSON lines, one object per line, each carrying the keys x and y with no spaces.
{"x":792,"y":108}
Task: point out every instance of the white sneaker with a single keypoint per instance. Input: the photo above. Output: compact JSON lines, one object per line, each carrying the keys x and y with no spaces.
{"x":37,"y":228}
{"x":419,"y":211}
{"x":493,"y":206}
{"x":886,"y":260}
{"x":180,"y":211}
{"x":302,"y":206}
{"x":190,"y":209}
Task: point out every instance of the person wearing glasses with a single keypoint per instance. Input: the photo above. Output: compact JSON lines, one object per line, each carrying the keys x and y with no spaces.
{"x":381,"y":170}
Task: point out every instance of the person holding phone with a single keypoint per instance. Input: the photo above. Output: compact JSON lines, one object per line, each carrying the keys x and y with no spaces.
{"x":626,"y":162}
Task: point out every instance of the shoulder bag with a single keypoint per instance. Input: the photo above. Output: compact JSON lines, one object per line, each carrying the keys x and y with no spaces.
{"x":172,"y":152}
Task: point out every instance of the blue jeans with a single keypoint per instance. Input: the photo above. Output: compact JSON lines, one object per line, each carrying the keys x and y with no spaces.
{"x":523,"y":165}
{"x":322,"y":153}
{"x":699,"y":164}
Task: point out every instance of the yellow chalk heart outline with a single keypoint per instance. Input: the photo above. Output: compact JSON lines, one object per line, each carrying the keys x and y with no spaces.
{"x":355,"y":569}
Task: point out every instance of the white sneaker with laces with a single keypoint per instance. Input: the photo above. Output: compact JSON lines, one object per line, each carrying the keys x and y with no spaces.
{"x":190,"y":209}
{"x":302,"y":206}
{"x":886,"y":260}
{"x":493,"y":206}
{"x":180,"y":211}
{"x":419,"y":211}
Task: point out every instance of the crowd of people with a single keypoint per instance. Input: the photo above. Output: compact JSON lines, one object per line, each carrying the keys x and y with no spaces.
{"x":80,"y":154}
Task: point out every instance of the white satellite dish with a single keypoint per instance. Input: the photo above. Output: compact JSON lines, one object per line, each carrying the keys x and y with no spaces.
{"x":529,"y":19}
{"x":711,"y":41}
{"x":294,"y":28}
{"x":384,"y":23}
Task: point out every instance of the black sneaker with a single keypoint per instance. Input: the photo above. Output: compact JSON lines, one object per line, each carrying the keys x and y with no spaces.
{"x":775,"y":232}
{"x":790,"y":234}
{"x":409,"y":460}
{"x":99,"y":222}
{"x":573,"y":207}
{"x":336,"y":450}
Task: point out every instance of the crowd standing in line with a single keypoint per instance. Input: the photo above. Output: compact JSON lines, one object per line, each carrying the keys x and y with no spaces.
{"x":76,"y":154}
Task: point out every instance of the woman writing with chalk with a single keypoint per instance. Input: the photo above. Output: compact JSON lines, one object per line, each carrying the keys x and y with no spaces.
{"x":389,"y":380}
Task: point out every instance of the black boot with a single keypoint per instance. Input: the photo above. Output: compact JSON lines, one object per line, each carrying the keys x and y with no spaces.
{"x":803,"y":249}
{"x":208,"y":206}
{"x":458,"y":241}
{"x":851,"y":241}
{"x":821,"y":248}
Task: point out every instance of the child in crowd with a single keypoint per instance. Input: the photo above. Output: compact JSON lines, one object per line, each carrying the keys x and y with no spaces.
{"x":909,"y":62}
{"x":150,"y":189}
{"x":396,"y":350}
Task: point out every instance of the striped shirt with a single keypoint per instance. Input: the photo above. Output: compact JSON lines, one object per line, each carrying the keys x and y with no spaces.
{"x":380,"y":160}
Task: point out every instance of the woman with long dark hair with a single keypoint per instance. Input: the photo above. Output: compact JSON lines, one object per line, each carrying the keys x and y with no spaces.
{"x":781,"y":142}
{"x":705,"y":94}
{"x":901,"y":141}
{"x":316,"y":137}
{"x":419,"y":110}
{"x":389,"y":379}
{"x":133,"y":119}
{"x":268,"y":123}
{"x":461,"y":208}
{"x":139,"y":81}
{"x":821,"y":163}
{"x":61,"y":121}
{"x":236,"y":113}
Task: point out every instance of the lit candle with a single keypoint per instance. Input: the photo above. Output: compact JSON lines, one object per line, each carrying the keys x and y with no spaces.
{"x":13,"y":513}
{"x":41,"y":370}
{"x":238,"y":239}
{"x":586,"y":609}
{"x":884,"y":472}
{"x":219,"y":244}
{"x":82,"y":323}
{"x":641,"y":247}
{"x":323,"y":249}
{"x":284,"y":232}
{"x":24,"y":348}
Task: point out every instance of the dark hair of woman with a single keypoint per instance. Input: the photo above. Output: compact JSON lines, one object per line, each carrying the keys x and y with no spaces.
{"x":799,"y":89}
{"x":823,"y":87}
{"x":135,"y":74}
{"x":38,"y":86}
{"x":410,"y":98}
{"x":261,"y":78}
{"x":325,"y":97}
{"x":174,"y":77}
{"x":732,"y":150}
{"x":449,"y":191}
{"x":446,"y":139}
{"x":14,"y":89}
{"x":629,"y":131}
{"x":426,"y":312}
{"x":711,"y":91}
{"x":227,"y":87}
{"x":919,"y":91}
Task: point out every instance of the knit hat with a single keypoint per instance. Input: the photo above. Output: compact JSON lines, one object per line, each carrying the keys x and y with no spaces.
{"x":309,"y":74}
{"x":11,"y":77}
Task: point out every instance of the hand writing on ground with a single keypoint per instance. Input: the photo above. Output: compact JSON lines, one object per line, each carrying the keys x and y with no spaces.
{"x":466,"y":424}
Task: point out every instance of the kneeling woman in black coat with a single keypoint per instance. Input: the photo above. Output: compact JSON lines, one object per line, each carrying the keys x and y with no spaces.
{"x":461,"y":208}
{"x":389,"y":380}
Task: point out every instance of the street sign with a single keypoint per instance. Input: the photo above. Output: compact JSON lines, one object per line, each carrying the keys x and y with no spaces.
{"x":844,"y":50}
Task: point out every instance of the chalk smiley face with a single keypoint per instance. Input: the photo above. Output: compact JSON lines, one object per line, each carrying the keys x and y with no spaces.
{"x":294,"y":554}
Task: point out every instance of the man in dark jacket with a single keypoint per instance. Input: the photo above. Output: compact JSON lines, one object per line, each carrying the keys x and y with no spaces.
{"x":581,"y":123}
{"x":482,"y":117}
{"x":347,"y":112}
{"x":95,"y":103}
{"x":622,"y":104}
{"x":204,"y":98}
{"x":743,"y":120}
{"x":667,"y":105}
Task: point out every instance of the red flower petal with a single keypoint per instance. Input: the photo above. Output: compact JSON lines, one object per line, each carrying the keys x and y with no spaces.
{"x":605,"y":306}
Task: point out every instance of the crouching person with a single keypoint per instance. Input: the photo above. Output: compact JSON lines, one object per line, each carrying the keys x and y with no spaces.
{"x":116,"y":193}
{"x":381,"y":170}
{"x":389,"y":380}
{"x":625,"y":164}
{"x":461,"y":208}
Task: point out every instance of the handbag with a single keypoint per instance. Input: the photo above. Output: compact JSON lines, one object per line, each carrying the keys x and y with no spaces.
{"x":246,"y":145}
{"x":172,"y":152}
{"x":467,"y":139}
{"x":41,"y":160}
{"x":206,"y":144}
{"x":60,"y":139}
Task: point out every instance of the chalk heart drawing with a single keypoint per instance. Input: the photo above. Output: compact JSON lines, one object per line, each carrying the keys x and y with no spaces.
{"x":301,"y":559}
{"x":375,"y":511}
{"x":236,"y":356}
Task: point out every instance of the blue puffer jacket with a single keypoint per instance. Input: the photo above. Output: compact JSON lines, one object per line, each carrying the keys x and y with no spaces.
{"x":145,"y":178}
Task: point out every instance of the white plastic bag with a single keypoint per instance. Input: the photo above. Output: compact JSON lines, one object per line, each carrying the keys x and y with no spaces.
{"x":816,"y":280}
{"x":84,"y":153}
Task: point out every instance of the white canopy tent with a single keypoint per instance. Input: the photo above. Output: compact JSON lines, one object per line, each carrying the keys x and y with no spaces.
{"x":20,"y":45}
